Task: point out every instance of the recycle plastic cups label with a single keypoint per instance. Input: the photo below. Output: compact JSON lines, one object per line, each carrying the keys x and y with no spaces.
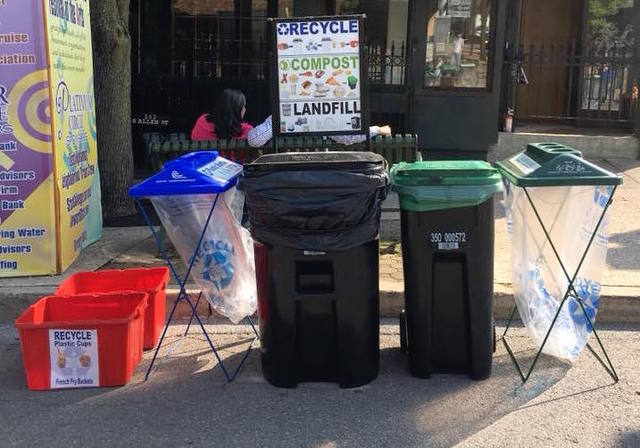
{"x":318,"y":70}
{"x":74,"y":358}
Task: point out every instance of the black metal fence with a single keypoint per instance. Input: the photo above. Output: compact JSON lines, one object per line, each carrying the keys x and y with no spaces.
{"x":594,"y":85}
{"x":387,"y":65}
{"x":227,"y":47}
{"x":219,"y":47}
{"x":210,"y":53}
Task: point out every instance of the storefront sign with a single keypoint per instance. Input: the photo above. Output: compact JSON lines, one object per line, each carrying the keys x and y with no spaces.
{"x":319,"y":76}
{"x":74,"y":358}
{"x":48,"y":156}
{"x":459,"y":8}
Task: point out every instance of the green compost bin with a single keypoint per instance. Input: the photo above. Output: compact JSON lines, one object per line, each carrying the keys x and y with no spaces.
{"x":435,"y":185}
{"x":447,"y":227}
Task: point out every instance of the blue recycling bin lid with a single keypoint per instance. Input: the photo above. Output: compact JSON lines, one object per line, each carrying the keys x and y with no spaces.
{"x":200,"y":172}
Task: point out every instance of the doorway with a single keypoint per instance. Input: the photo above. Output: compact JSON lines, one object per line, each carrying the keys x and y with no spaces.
{"x":455,"y":76}
{"x":580,"y":65}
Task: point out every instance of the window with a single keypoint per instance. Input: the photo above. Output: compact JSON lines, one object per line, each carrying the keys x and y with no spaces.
{"x":385,"y":39}
{"x":219,"y":39}
{"x":303,"y":8}
{"x":458,"y":49}
{"x":285,"y":8}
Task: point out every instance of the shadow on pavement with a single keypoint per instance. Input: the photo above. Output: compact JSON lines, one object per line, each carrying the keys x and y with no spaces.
{"x":623,"y":250}
{"x":629,"y":439}
{"x":187,"y":402}
{"x":394,"y":410}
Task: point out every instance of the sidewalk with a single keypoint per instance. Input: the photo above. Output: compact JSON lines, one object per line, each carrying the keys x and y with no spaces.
{"x":134,"y":246}
{"x":621,"y":282}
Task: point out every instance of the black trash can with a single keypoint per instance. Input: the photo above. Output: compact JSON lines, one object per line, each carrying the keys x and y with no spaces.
{"x":315,"y":217}
{"x":447,"y":227}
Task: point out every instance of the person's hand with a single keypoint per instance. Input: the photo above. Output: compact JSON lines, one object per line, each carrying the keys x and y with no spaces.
{"x":385,"y":130}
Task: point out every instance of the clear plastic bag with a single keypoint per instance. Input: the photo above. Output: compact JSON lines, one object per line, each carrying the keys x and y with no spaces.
{"x":570,"y":215}
{"x":234,"y":199}
{"x":224,"y":264}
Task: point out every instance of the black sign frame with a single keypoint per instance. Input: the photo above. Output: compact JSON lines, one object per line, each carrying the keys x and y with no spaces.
{"x":364,"y":78}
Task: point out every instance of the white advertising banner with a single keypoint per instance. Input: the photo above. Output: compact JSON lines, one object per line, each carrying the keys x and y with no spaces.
{"x":318,"y":69}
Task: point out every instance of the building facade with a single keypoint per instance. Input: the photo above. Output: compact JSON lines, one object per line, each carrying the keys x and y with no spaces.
{"x":580,"y":59}
{"x":447,"y":70}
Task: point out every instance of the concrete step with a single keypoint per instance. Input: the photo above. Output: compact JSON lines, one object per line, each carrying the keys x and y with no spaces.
{"x":592,"y":146}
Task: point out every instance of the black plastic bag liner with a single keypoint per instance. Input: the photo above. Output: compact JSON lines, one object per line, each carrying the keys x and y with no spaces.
{"x":324,"y":201}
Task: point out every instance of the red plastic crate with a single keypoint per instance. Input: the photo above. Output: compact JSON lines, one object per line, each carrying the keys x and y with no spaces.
{"x":74,"y":322}
{"x":153,"y":281}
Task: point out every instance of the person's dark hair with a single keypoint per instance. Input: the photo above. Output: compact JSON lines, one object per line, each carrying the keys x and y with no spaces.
{"x":227,"y":117}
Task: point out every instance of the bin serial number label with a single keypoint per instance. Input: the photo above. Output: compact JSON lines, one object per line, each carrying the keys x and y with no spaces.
{"x":448,"y":240}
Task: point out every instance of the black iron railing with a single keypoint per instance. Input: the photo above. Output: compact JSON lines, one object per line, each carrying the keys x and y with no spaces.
{"x":220,"y":47}
{"x":208,"y":53}
{"x":387,"y":65}
{"x":225,"y":47}
{"x":588,"y":84}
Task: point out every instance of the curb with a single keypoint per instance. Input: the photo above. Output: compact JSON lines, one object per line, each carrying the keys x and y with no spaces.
{"x":619,"y":304}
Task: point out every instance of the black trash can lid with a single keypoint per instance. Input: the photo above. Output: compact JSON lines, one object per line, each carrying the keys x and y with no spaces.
{"x":304,"y":161}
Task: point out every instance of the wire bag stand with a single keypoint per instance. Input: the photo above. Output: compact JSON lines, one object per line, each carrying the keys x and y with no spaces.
{"x":569,"y":293}
{"x":183,"y":296}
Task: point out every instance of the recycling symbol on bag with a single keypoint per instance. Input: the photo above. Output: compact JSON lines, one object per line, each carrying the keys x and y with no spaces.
{"x":218,"y":264}
{"x":589,"y":294}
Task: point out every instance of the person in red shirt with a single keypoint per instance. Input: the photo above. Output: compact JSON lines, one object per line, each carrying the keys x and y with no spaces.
{"x":227,"y":119}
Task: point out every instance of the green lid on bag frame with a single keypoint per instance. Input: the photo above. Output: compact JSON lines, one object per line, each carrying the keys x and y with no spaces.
{"x":553,"y":165}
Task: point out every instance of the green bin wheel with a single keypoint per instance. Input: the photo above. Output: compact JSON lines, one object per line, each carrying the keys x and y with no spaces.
{"x":494,"y":336}
{"x":404,"y":343}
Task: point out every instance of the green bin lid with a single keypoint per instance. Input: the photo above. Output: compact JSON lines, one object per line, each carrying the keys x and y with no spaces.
{"x":435,"y":185}
{"x":553,"y":165}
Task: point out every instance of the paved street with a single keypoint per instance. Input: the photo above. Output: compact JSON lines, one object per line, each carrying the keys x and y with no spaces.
{"x":186,"y":403}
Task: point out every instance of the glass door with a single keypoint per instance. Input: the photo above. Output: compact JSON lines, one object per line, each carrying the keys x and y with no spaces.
{"x":458,"y":53}
{"x":455,"y":72}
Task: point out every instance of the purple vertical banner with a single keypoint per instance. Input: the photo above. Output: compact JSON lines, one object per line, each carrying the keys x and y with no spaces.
{"x":27,"y":228}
